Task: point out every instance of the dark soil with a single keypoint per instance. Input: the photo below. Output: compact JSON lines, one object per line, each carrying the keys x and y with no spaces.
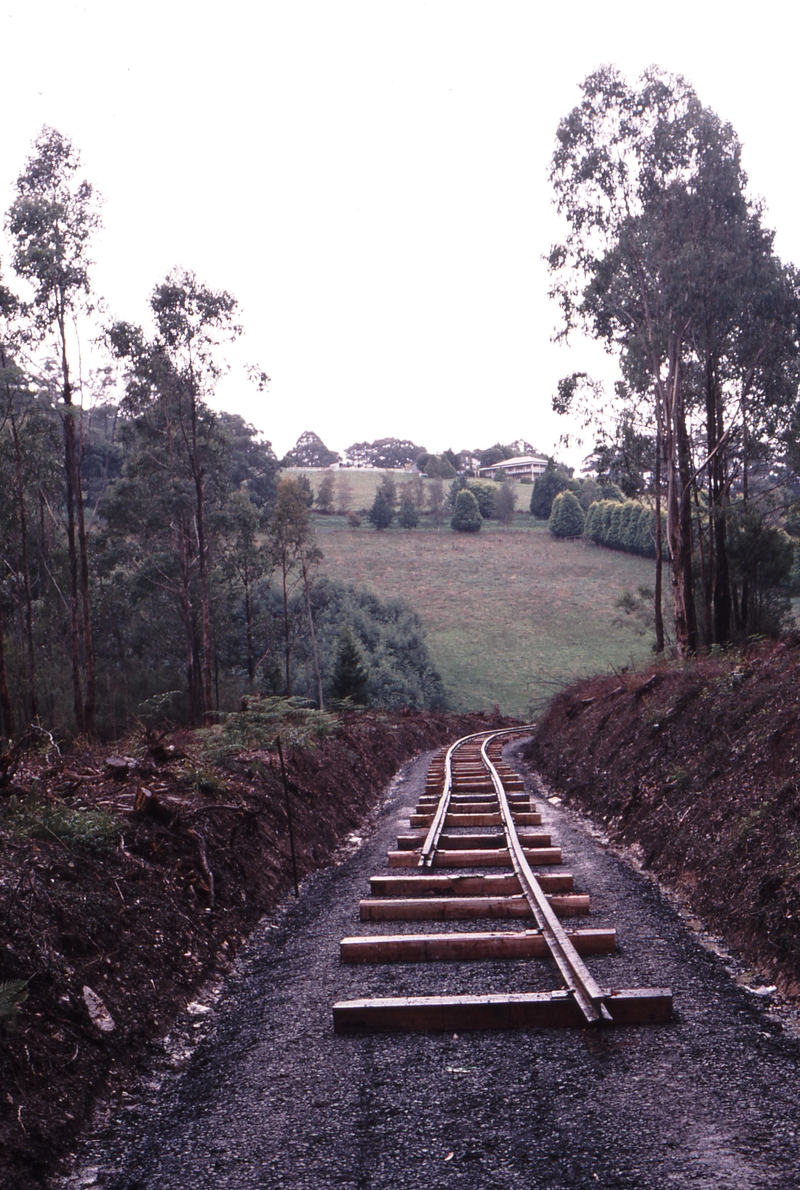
{"x":272,"y":1098}
{"x":697,"y":769}
{"x":143,"y":905}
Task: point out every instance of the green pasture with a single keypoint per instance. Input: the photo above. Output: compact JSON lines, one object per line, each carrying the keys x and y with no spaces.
{"x":355,"y":489}
{"x":511,"y":614}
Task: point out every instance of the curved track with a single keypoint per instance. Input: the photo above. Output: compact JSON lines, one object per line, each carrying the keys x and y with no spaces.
{"x":469,"y":789}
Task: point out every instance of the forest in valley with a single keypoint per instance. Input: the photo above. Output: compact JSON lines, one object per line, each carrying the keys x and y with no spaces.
{"x":154,"y":564}
{"x":155,"y":561}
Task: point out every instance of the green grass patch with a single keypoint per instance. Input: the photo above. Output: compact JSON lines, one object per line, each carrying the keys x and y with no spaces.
{"x":511,"y":614}
{"x":355,"y":489}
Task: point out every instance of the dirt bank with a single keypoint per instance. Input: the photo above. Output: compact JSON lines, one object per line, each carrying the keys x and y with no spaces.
{"x":136,"y":877}
{"x":272,"y":1098}
{"x":697,"y":767}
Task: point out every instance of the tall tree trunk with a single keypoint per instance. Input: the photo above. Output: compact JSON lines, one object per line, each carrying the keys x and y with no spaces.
{"x":74,"y":628}
{"x":31,"y":707}
{"x":287,"y":640}
{"x":185,"y":596}
{"x":202,"y":553}
{"x":248,"y":615}
{"x":659,"y":536}
{"x":706,"y":568}
{"x":6,"y":715}
{"x":80,"y":612}
{"x":679,"y":526}
{"x":90,"y":703}
{"x":718,"y":484}
{"x":687,"y":552}
{"x":205,"y":609}
{"x":314,"y":650}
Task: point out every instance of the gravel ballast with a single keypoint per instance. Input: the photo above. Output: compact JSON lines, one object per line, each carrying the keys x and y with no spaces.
{"x":273,"y":1098}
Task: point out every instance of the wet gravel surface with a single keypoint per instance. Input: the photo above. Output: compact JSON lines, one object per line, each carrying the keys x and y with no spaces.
{"x":272,"y":1098}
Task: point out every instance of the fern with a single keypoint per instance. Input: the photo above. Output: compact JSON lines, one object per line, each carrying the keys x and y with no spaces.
{"x":12,"y":995}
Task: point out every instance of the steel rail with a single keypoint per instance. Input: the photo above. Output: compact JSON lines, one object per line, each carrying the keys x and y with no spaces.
{"x":434,"y":831}
{"x":587,"y":992}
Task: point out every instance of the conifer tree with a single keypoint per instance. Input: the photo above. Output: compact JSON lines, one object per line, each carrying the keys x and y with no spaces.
{"x":349,"y":675}
{"x":408,"y":517}
{"x":566,"y":519}
{"x":466,"y":514}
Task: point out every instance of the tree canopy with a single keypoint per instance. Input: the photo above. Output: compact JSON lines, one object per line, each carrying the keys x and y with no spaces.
{"x":667,"y":261}
{"x":150,"y":562}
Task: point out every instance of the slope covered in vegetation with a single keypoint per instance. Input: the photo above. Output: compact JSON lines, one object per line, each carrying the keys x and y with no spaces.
{"x":127,"y":881}
{"x":697,"y":767}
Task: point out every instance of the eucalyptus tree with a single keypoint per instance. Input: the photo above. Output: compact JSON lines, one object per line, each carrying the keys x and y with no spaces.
{"x":51,"y":221}
{"x":295,"y":556}
{"x":11,"y":502}
{"x":666,"y":261}
{"x":169,"y":380}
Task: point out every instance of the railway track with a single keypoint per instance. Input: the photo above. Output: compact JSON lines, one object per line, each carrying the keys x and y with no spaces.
{"x":475,"y":815}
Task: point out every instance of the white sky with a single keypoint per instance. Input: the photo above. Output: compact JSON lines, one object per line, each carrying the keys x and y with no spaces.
{"x":369,"y":179}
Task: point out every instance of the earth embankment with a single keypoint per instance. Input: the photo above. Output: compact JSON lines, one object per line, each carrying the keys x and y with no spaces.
{"x":696,"y":769}
{"x":128,"y":881}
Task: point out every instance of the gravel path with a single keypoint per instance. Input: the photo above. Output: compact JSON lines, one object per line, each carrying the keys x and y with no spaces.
{"x":272,"y":1098}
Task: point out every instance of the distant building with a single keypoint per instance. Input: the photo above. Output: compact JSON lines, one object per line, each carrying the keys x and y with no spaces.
{"x":522,"y":467}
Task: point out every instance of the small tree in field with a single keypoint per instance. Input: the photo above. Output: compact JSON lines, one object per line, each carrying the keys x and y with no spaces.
{"x":344,"y":494}
{"x":325,"y":494}
{"x":436,"y":501}
{"x":504,"y":504}
{"x":381,"y":514}
{"x":408,"y":516}
{"x":466,"y":514}
{"x":545,"y":489}
{"x":566,"y":519}
{"x":485,"y":492}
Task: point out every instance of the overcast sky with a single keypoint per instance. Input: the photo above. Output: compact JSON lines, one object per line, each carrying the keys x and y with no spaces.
{"x":369,"y":179}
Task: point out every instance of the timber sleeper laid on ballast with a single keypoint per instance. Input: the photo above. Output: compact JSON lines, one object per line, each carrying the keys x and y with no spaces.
{"x":472,"y":784}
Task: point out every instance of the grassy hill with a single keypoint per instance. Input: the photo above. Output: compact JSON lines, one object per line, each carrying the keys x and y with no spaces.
{"x":512,"y":615}
{"x":359,"y":487}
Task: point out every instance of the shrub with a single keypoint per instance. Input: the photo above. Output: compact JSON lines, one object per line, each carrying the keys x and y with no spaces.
{"x":504,"y":504}
{"x":614,"y":526}
{"x":466,"y":514}
{"x":566,"y":518}
{"x":630,"y":512}
{"x":545,"y":489}
{"x":96,"y":830}
{"x":761,"y":561}
{"x":628,"y":526}
{"x":408,"y":517}
{"x":391,"y":647}
{"x":261,"y":721}
{"x":589,"y":530}
{"x":485,"y":492}
{"x":381,"y":514}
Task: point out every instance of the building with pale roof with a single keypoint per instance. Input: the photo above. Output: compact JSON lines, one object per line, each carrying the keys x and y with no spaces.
{"x":522,"y":467}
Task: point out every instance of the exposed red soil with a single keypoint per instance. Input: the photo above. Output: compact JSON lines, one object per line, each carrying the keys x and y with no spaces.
{"x":145,"y":919}
{"x":697,"y":767}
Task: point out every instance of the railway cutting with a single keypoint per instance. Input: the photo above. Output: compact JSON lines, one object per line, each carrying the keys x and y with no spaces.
{"x":473,"y":851}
